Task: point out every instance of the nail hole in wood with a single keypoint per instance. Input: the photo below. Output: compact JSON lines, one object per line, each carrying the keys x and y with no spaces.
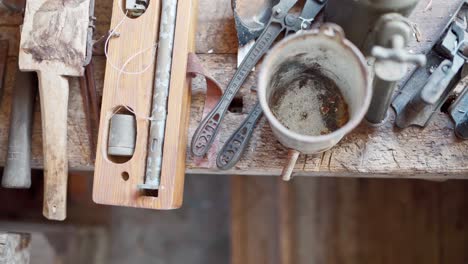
{"x":153,"y":193}
{"x":125,"y":176}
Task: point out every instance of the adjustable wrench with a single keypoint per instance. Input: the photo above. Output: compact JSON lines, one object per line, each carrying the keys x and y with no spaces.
{"x":280,"y":21}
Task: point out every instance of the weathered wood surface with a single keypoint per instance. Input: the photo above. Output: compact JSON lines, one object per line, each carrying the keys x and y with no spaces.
{"x":433,"y":152}
{"x":349,"y":221}
{"x":14,"y":248}
{"x":46,"y":243}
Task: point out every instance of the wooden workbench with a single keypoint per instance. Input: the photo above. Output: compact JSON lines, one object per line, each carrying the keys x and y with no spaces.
{"x":433,"y":152}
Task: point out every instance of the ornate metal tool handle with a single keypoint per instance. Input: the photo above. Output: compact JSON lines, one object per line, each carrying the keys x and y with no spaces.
{"x":441,"y":78}
{"x":236,"y":144}
{"x":208,"y":128}
{"x":459,"y":113}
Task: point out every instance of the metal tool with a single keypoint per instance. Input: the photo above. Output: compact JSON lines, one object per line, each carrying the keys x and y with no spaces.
{"x":160,"y":93}
{"x":392,"y":32}
{"x":358,"y":18}
{"x":459,"y":113}
{"x":17,"y":171}
{"x":90,"y":106}
{"x":235,"y":146}
{"x":122,"y":135}
{"x":380,"y":29}
{"x":251,"y":18}
{"x":428,"y":87}
{"x":88,"y":86}
{"x":250,"y":22}
{"x":280,"y":21}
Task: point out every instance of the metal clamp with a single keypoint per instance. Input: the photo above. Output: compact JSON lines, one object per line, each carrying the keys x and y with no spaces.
{"x":391,"y":35}
{"x":428,"y":87}
{"x":459,"y":113}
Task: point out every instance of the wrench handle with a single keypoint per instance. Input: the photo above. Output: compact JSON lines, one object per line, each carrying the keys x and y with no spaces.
{"x":232,"y":150}
{"x":209,"y":127}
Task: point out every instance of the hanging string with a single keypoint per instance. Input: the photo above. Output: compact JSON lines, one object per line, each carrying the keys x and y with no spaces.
{"x":113,"y":33}
{"x":121,"y":70}
{"x":120,"y":75}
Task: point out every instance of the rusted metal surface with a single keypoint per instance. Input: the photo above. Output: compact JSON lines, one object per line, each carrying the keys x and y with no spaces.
{"x":306,"y":85}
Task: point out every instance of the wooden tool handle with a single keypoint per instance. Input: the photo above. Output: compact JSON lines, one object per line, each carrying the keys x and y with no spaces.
{"x":53,"y":91}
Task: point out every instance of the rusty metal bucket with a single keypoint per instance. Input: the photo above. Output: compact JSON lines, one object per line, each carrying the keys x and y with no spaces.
{"x":314,"y":88}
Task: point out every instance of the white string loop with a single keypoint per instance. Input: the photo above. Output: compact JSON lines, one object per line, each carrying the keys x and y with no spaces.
{"x":121,"y":70}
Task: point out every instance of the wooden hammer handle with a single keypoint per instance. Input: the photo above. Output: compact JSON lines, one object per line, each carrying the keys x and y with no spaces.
{"x":53,"y":91}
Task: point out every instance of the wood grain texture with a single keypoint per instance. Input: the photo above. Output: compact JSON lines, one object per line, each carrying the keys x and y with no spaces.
{"x":126,"y":90}
{"x":353,"y":221}
{"x":27,"y":205}
{"x":53,"y":43}
{"x":53,"y":90}
{"x":433,"y":152}
{"x":135,"y":92}
{"x":254,"y":232}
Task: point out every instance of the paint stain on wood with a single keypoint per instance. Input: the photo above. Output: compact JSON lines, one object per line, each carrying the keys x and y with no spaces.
{"x":54,"y":33}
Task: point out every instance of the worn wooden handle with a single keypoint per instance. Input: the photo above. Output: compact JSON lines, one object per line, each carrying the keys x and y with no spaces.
{"x":53,"y":91}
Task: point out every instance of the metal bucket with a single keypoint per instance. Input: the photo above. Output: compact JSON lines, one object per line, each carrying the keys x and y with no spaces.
{"x":314,"y":89}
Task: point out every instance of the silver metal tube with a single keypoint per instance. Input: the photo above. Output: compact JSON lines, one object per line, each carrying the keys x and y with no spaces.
{"x":381,"y":99}
{"x":160,"y":94}
{"x":383,"y":88}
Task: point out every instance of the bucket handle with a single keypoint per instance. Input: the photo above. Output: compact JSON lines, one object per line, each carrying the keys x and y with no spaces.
{"x":332,"y":31}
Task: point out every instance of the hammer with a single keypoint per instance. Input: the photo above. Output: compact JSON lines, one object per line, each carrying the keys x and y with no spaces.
{"x":17,"y":171}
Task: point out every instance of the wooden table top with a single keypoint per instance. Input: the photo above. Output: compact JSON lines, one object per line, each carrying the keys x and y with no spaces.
{"x":433,"y":152}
